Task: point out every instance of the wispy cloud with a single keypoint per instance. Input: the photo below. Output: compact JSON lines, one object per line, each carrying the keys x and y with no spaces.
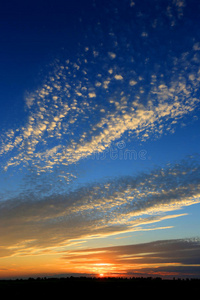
{"x":166,"y":258}
{"x":120,"y":205}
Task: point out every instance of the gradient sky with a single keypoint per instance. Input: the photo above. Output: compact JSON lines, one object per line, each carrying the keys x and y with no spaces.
{"x":100,"y":139}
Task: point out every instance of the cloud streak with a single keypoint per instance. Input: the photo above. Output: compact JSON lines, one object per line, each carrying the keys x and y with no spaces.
{"x":111,"y":207}
{"x":164,"y":258}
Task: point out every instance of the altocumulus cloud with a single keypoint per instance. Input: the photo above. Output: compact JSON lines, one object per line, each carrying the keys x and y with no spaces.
{"x":99,"y":209}
{"x":86,"y":103}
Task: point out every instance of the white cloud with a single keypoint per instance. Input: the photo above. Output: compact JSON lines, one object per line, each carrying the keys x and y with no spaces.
{"x":118,"y":77}
{"x":144,"y":34}
{"x":92,"y":95}
{"x":132,"y":82}
{"x":98,"y":84}
{"x":112,"y":55}
{"x":196,"y":46}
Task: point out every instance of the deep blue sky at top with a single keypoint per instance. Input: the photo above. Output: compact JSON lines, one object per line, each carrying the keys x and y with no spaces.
{"x":34,"y":33}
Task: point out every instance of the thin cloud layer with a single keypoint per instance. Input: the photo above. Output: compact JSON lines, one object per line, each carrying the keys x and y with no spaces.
{"x":166,"y":258}
{"x":100,"y":209}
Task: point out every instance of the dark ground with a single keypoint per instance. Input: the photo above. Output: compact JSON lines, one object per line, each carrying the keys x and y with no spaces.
{"x":73,"y":287}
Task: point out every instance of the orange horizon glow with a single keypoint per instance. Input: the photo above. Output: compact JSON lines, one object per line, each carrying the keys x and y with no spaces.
{"x":118,"y":261}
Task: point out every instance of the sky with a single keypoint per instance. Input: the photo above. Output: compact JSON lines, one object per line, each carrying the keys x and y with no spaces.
{"x":100,"y":140}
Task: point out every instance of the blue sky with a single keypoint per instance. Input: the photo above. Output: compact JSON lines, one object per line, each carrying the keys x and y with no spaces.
{"x":100,"y":119}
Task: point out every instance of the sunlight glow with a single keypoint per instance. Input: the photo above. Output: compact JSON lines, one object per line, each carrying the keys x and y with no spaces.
{"x":99,"y":140}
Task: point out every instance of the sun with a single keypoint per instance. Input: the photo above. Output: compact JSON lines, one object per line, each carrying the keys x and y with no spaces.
{"x":101,"y":275}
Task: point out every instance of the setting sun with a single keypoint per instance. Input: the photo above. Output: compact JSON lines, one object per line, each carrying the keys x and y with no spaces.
{"x":101,"y":275}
